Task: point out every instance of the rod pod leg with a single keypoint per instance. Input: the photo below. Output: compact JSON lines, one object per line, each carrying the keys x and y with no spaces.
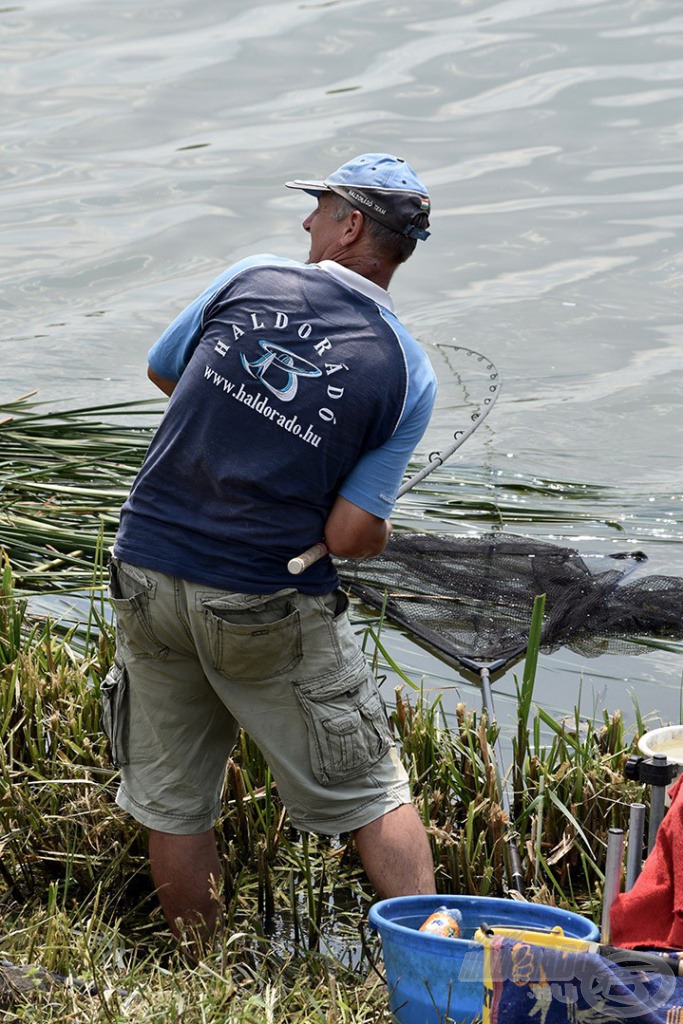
{"x":657,"y":804}
{"x":634,"y":853}
{"x":615,"y":851}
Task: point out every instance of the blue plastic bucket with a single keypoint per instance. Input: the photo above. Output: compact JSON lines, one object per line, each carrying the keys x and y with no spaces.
{"x":430,"y":977}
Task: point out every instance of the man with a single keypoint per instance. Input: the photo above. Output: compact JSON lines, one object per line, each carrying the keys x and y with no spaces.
{"x":297,"y":398}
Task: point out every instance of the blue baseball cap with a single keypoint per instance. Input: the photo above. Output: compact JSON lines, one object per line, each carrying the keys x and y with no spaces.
{"x":381,"y":186}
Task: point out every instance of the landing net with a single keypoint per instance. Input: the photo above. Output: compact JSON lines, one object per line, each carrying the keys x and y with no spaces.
{"x":472,"y":598}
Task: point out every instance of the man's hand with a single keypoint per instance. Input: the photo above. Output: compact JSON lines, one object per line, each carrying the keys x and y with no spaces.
{"x":163,"y":383}
{"x":351,"y":532}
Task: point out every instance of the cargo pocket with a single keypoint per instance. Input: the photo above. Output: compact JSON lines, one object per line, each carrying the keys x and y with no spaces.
{"x":347,"y":723}
{"x":116,"y":711}
{"x":253,"y":639}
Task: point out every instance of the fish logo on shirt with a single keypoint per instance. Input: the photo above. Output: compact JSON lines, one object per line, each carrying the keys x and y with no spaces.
{"x":281,"y":366}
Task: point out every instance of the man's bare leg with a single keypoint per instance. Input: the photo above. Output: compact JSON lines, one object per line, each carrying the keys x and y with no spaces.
{"x":186,"y":871}
{"x":396,"y":855}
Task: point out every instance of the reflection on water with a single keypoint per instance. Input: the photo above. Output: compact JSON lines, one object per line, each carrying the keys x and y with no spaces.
{"x":143,"y":147}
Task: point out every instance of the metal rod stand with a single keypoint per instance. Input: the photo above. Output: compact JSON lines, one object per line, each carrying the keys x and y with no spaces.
{"x":634,"y":852}
{"x":657,"y":799}
{"x":615,"y":851}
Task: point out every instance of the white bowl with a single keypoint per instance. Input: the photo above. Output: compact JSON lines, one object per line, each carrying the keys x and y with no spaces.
{"x":668,"y":740}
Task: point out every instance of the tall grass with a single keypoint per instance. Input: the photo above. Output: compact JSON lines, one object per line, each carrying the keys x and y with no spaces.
{"x":75,"y":895}
{"x":64,"y":475}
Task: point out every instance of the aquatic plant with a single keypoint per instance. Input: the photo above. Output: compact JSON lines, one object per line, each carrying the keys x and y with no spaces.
{"x":63,"y":477}
{"x":77,"y":898}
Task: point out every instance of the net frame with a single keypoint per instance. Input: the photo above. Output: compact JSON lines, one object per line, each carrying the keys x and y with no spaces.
{"x":316,"y":551}
{"x":514,"y":570}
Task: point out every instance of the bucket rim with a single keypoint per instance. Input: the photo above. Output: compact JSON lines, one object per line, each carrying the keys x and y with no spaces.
{"x":650,"y":742}
{"x":488,"y":904}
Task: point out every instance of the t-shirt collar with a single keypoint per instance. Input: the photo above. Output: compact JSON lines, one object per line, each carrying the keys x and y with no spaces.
{"x":359,"y":283}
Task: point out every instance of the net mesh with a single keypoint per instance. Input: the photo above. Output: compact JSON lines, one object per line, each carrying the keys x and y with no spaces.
{"x":472,"y":597}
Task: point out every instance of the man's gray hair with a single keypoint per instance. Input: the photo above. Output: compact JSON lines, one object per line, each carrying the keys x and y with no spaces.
{"x":387,"y":243}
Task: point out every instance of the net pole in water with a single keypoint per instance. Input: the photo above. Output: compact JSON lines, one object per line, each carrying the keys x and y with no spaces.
{"x":515,"y":874}
{"x":487,"y":701}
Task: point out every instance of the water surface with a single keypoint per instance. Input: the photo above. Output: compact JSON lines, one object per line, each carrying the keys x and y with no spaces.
{"x":143,"y":147}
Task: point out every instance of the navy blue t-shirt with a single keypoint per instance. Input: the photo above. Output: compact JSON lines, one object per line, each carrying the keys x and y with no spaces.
{"x":295,"y":383}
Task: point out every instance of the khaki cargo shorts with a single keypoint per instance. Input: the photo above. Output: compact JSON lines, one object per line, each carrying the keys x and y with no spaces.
{"x":193,"y":664}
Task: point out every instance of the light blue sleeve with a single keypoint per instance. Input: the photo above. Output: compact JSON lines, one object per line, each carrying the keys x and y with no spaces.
{"x":172,"y":352}
{"x":374,"y":481}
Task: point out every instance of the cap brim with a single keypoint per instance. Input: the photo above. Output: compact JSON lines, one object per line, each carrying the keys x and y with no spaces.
{"x":314,"y":188}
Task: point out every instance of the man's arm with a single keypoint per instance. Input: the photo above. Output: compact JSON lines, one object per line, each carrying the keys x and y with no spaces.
{"x":163,"y":383}
{"x":351,"y":532}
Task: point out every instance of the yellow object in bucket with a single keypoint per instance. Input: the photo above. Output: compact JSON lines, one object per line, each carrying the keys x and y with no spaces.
{"x":555,"y":938}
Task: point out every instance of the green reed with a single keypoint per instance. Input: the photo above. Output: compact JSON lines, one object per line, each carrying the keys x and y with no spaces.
{"x":64,"y":476}
{"x":75,"y":893}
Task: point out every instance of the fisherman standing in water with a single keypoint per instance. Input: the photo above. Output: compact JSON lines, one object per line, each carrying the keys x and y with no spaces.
{"x":296,"y":400}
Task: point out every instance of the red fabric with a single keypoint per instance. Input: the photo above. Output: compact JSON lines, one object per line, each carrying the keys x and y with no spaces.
{"x":650,"y":914}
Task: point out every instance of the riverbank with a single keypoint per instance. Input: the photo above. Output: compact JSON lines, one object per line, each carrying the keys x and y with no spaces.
{"x":77,"y":898}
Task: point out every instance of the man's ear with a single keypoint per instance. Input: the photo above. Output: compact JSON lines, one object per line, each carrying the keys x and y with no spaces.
{"x":354,"y":228}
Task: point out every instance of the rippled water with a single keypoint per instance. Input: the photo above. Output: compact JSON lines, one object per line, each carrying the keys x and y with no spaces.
{"x":143,"y":146}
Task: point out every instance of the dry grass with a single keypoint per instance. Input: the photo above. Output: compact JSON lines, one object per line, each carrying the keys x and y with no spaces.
{"x":77,"y":897}
{"x":82,"y":937}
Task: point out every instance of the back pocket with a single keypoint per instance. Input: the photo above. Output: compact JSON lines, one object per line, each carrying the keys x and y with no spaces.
{"x":253,"y":639}
{"x":132,"y":594}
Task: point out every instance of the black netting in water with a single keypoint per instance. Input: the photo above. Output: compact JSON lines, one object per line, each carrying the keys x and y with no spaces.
{"x":472,"y":598}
